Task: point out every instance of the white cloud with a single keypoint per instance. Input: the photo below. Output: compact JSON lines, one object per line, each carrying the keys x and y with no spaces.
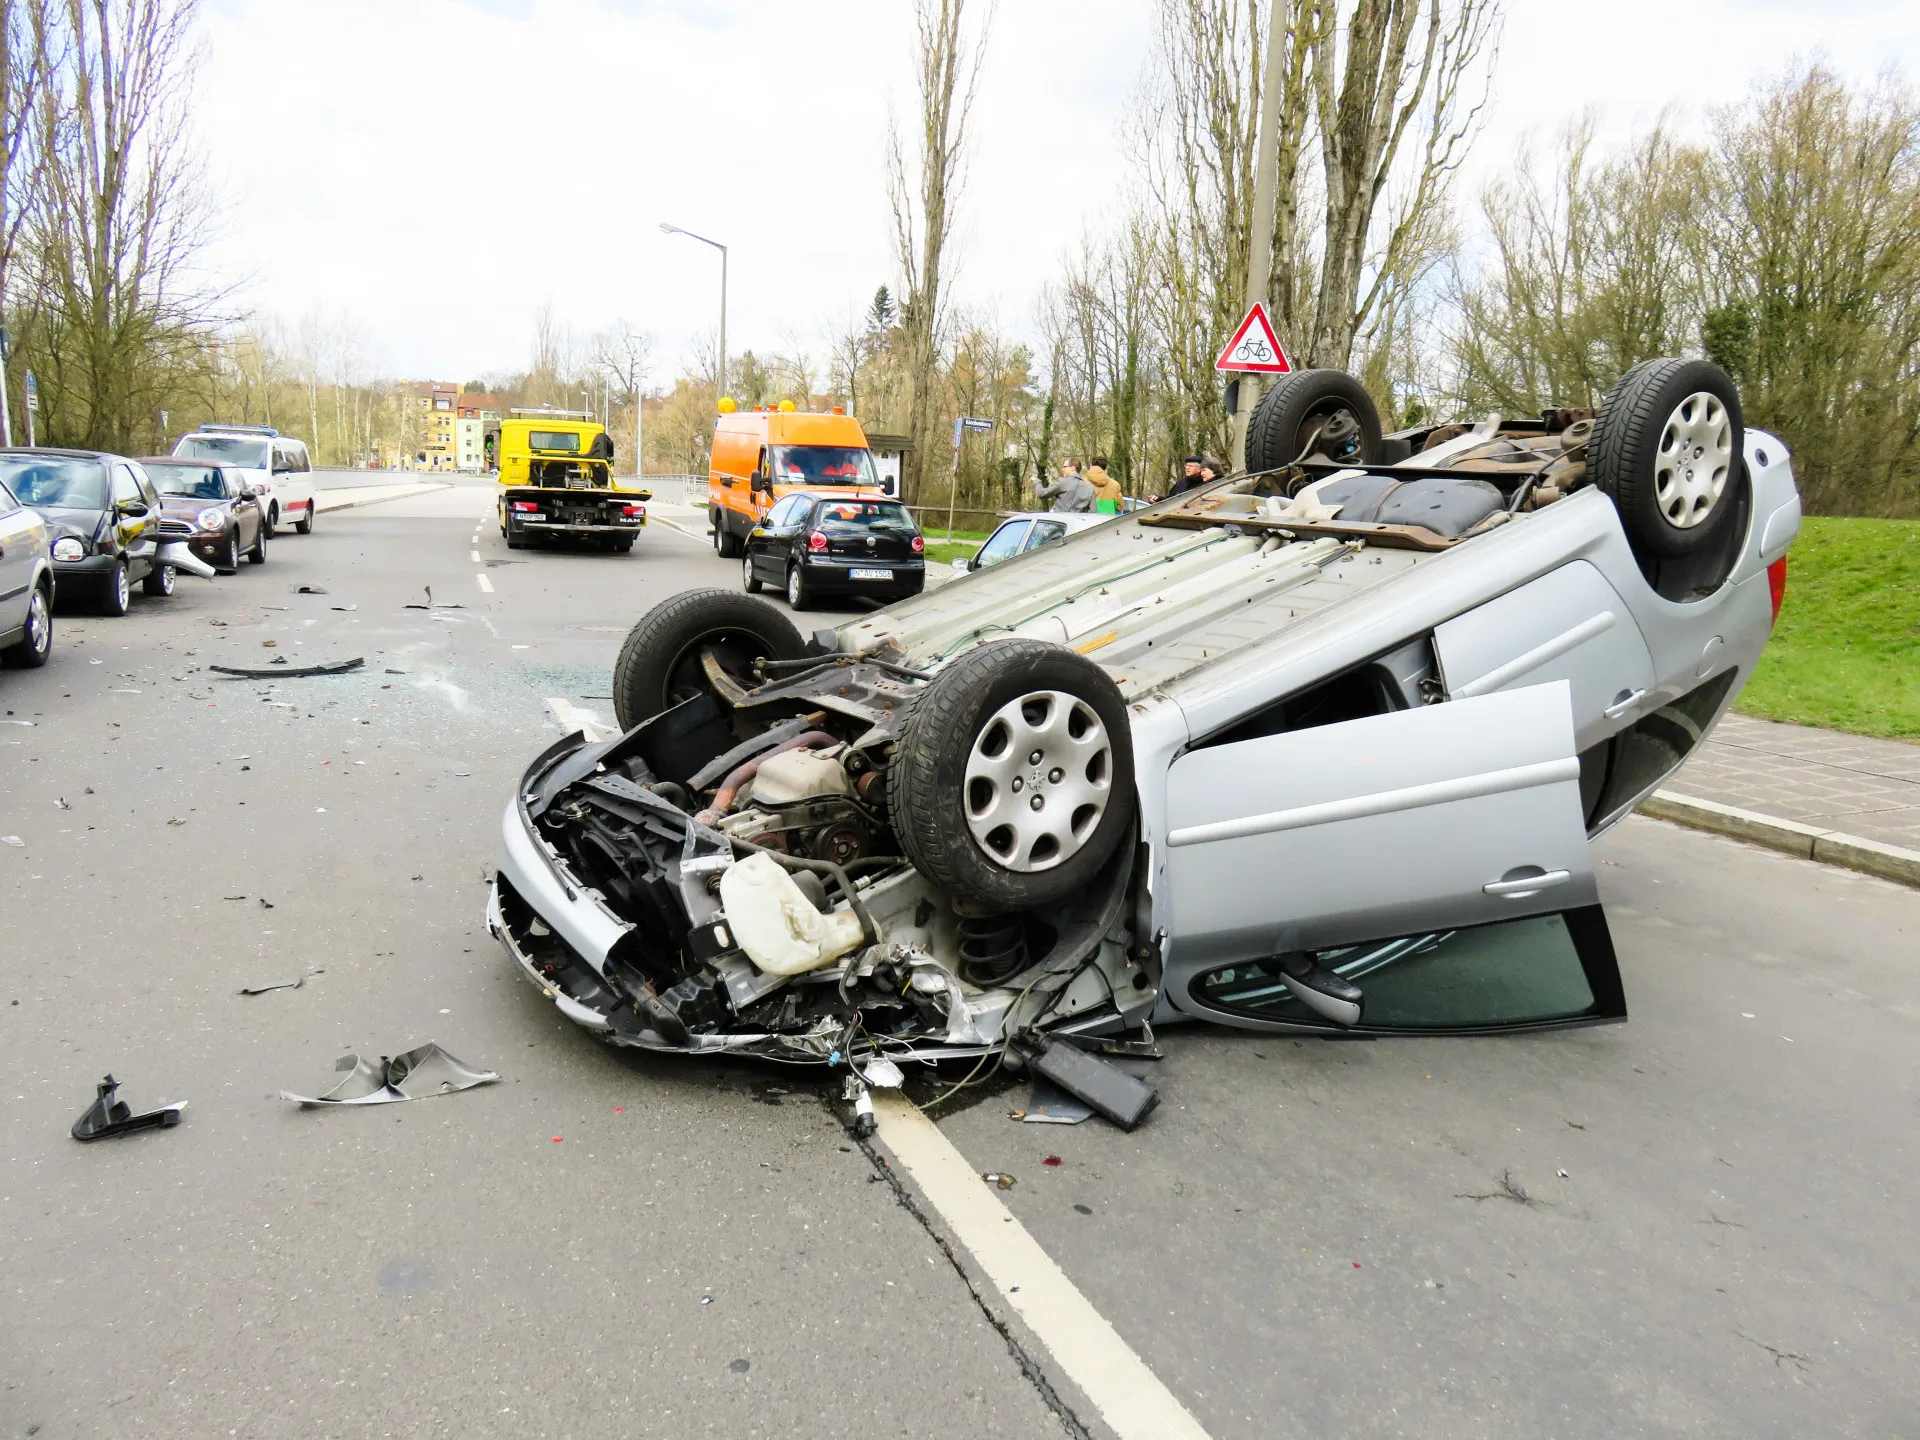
{"x":439,"y":169}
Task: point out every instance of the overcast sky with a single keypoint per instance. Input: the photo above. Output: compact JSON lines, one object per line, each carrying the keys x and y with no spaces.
{"x":436,"y":169}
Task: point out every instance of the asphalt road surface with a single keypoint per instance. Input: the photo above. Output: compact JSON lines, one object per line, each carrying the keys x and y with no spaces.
{"x":1308,"y":1238}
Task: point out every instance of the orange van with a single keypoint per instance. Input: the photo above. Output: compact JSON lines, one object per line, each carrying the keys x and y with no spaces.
{"x":761,"y":455}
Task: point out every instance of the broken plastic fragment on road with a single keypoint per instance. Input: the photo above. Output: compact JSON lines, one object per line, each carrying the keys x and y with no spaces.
{"x":109,"y":1116}
{"x":337,"y":667}
{"x":414,"y":1075}
{"x":293,"y":984}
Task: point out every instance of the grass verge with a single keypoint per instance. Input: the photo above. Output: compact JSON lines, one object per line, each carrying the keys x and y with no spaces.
{"x":1846,"y":653}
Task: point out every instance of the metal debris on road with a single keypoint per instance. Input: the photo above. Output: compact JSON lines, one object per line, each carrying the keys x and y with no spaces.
{"x":309,"y":589}
{"x":293,"y":984}
{"x":994,"y":1177}
{"x":176,"y":822}
{"x":60,"y":803}
{"x":417,"y":1074}
{"x":346,"y":607}
{"x":1050,"y":1105}
{"x":269,"y":643}
{"x":11,"y":840}
{"x":109,"y":1116}
{"x":337,"y":667}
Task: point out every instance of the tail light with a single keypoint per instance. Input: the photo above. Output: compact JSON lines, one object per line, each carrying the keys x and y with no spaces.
{"x":817,"y":543}
{"x":524,"y":507}
{"x":633,"y":509}
{"x":1777,"y":585}
{"x":919,"y":544}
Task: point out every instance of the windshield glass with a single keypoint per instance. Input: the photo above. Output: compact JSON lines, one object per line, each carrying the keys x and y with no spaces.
{"x":252,"y":454}
{"x":198,"y":482}
{"x":564,"y":440}
{"x":72,"y":484}
{"x":822,"y":465}
{"x":854,"y":517}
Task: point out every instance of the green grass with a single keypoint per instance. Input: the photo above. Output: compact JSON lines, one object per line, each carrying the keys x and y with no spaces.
{"x":1846,"y":653}
{"x":945,"y":552}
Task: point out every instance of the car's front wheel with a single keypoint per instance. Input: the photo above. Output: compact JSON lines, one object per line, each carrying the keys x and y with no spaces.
{"x":1012,"y":780}
{"x":230,"y":562}
{"x":118,"y":598}
{"x":32,"y":649}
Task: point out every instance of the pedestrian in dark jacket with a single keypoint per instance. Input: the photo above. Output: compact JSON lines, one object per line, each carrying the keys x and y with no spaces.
{"x":1189,"y":477}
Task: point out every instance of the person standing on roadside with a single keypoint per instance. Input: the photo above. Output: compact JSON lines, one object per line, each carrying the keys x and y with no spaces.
{"x":1105,"y":487}
{"x":1069,"y":492}
{"x":1189,"y":477}
{"x":1210,"y":471}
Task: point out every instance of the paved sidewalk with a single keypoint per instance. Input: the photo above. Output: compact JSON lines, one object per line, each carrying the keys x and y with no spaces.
{"x":1869,"y":788}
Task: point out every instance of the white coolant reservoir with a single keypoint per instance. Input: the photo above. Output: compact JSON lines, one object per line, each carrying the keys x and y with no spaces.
{"x":775,"y":923}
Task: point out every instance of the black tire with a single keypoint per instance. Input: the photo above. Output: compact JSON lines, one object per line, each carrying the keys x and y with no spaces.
{"x":230,"y":562}
{"x":159,"y":582}
{"x":622,"y":545}
{"x":1666,"y":511}
{"x":932,"y":801}
{"x":660,"y":663}
{"x":117,"y":598}
{"x":799,"y":593}
{"x":1287,"y":416}
{"x":726,"y":544}
{"x":305,"y":527}
{"x":749,"y":581}
{"x":273,"y":518}
{"x":258,"y":554}
{"x":33,"y":648}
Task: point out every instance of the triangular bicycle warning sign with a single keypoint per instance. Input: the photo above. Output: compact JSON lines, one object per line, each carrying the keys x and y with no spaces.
{"x":1254,"y":347}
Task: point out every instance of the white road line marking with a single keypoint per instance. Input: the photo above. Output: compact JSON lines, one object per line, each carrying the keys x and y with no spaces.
{"x":1128,"y":1395}
{"x":485,"y":583}
{"x":476,"y":556}
{"x":573,"y":717}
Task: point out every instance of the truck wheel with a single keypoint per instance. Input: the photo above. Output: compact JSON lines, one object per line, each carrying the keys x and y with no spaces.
{"x":1012,"y":779}
{"x":1323,"y":411}
{"x":663,"y":661}
{"x":1666,"y":447}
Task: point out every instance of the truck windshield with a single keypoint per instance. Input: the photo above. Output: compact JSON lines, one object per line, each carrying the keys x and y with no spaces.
{"x":562,"y":440}
{"x":247,"y":453}
{"x":822,"y":465}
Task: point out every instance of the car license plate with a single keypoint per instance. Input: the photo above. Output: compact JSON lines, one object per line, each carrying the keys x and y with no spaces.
{"x":870,"y":574}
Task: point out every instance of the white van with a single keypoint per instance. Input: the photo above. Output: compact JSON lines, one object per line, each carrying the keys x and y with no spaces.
{"x":276,"y":468}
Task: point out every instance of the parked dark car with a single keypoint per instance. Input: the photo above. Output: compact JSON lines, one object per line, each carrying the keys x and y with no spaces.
{"x":212,"y":508}
{"x":102,"y":514}
{"x":818,"y":545}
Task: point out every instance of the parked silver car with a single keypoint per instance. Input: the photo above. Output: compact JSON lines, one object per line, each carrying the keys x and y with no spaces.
{"x":1318,"y":747}
{"x":26,"y":583}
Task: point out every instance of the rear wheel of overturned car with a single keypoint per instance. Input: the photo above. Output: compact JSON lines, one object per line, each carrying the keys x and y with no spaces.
{"x":1666,"y":448}
{"x":669,"y":656}
{"x":1012,"y":780}
{"x":1314,"y":412}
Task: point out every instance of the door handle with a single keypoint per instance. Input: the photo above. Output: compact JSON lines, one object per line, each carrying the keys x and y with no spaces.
{"x":1623,"y":704}
{"x":1527,"y":884}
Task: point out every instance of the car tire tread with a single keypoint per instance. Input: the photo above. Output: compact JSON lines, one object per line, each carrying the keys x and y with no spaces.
{"x":642,"y":672}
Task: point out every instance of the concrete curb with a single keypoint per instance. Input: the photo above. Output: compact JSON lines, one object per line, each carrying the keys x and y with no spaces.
{"x":320,"y":496}
{"x":1829,"y":847}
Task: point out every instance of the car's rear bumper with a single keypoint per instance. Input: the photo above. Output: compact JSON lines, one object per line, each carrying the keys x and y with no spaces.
{"x":835,"y":575}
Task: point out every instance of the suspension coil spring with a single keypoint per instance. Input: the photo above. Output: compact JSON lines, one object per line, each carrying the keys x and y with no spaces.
{"x":993,"y":949}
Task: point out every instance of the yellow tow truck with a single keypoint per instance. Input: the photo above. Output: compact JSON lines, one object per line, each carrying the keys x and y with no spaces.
{"x":556,"y":482}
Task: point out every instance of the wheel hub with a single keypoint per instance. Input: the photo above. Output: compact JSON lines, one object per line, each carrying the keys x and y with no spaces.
{"x":1694,"y":460}
{"x":1038,"y":779}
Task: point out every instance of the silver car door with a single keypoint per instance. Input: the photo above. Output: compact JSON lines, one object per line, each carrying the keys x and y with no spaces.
{"x":1376,"y":827}
{"x":1571,"y":625}
{"x":1436,"y":857}
{"x":18,"y":527}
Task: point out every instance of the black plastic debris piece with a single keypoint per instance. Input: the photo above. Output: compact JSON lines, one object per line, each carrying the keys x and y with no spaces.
{"x":310,"y":590}
{"x":414,"y":1075}
{"x":293,"y":984}
{"x":346,"y":607}
{"x":1111,"y":1091}
{"x":338,"y":667}
{"x":110,"y":1116}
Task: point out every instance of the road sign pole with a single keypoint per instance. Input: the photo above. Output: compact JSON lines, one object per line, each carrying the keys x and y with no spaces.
{"x":1260,"y":248}
{"x":6,"y":418}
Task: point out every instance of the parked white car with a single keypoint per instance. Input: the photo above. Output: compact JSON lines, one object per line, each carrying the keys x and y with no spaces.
{"x":1018,"y":534}
{"x":1318,"y":747}
{"x":275,"y":466}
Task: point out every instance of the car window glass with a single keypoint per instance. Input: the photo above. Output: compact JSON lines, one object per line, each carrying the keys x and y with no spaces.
{"x":787,"y":511}
{"x":822,"y":465}
{"x":1004,"y":542}
{"x":194,"y":481}
{"x":1044,"y":533}
{"x":125,"y":487}
{"x":148,"y":491}
{"x":7,"y":503}
{"x":1513,"y":972}
{"x":299,"y":458}
{"x":236,"y":482}
{"x":233,"y":449}
{"x":69,"y":484}
{"x":850,"y":517}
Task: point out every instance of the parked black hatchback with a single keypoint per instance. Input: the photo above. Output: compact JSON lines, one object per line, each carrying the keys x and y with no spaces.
{"x":819,"y":545}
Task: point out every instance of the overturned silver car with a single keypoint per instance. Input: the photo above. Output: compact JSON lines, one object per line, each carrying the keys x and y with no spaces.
{"x":1317,"y":748}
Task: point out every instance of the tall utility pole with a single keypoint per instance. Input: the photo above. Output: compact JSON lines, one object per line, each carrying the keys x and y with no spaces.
{"x":1260,"y":242}
{"x":720,"y":386}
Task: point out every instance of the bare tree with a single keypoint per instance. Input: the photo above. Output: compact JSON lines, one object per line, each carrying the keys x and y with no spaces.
{"x":622,"y":355}
{"x":947,"y":75}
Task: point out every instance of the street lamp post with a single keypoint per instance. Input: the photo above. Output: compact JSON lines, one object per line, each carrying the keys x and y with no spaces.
{"x":666,"y":229}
